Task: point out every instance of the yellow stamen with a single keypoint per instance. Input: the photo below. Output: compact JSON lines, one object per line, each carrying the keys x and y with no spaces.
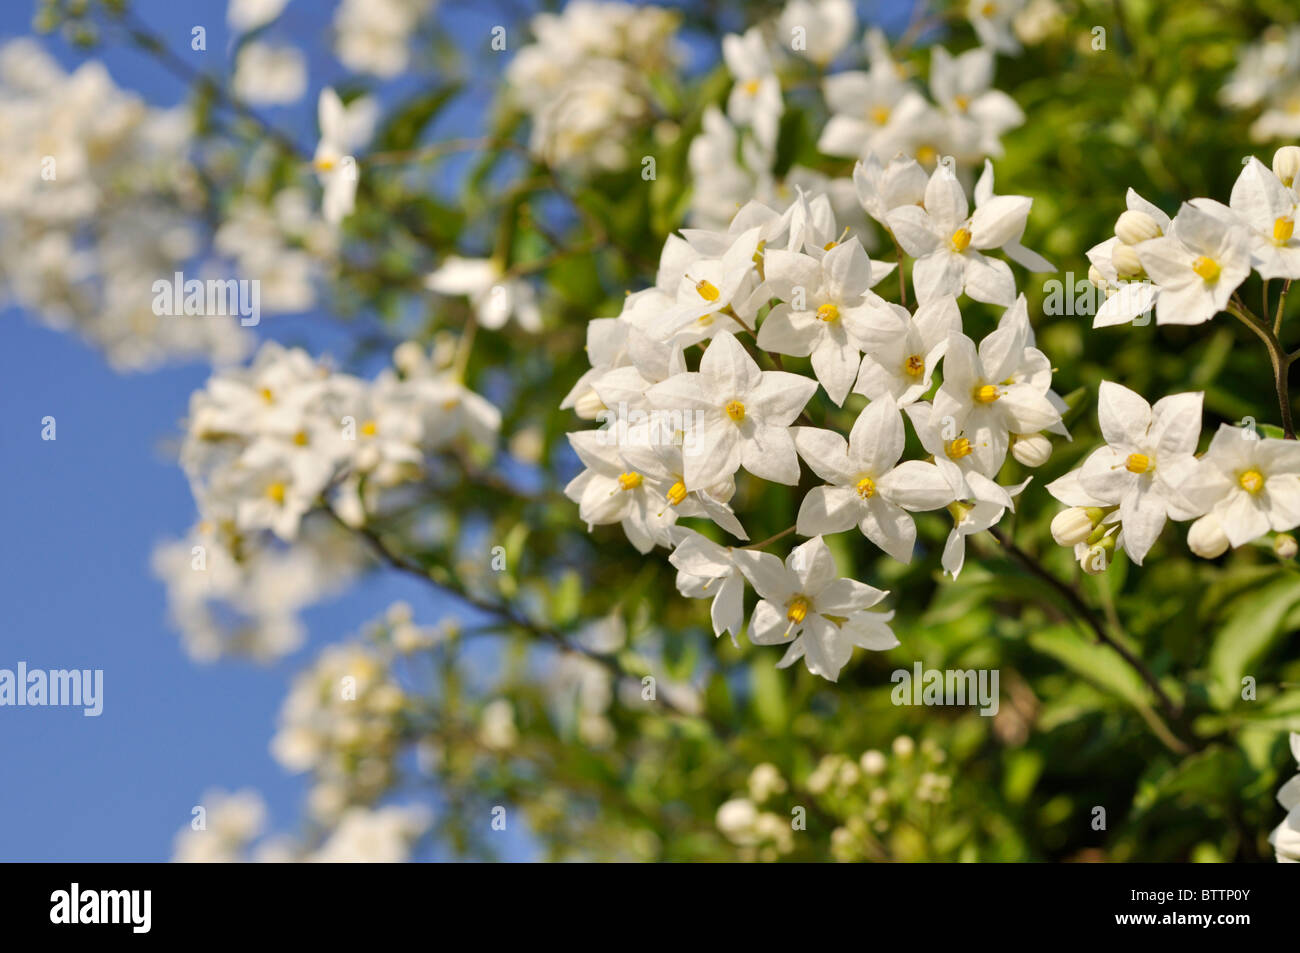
{"x":962,"y":102}
{"x":267,"y":395}
{"x":829,"y":245}
{"x":926,"y":155}
{"x":630,"y":480}
{"x":1252,"y":481}
{"x":707,"y":290}
{"x":301,"y":439}
{"x":958,"y":448}
{"x":960,"y":239}
{"x":751,"y":87}
{"x":324,"y":164}
{"x":275,"y":492}
{"x":914,"y":366}
{"x":985,"y":394}
{"x":369,"y":428}
{"x":1137,"y":463}
{"x":866,"y":488}
{"x":828,"y":313}
{"x":988,"y":10}
{"x":797,"y":609}
{"x":880,"y":115}
{"x":676,"y":493}
{"x":1207,"y":268}
{"x":735,"y":410}
{"x":1283,"y":229}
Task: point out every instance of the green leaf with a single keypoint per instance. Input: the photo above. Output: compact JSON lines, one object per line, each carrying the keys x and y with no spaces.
{"x":402,"y":130}
{"x":1254,"y":624}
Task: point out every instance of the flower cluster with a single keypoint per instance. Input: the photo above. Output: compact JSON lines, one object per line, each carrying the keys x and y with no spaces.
{"x":1187,"y":269}
{"x":583,"y":81}
{"x":1286,"y":836}
{"x":674,"y":439}
{"x":78,"y":150}
{"x":1267,"y":78}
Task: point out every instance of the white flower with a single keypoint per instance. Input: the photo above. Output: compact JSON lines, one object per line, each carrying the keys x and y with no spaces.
{"x":953,"y":452}
{"x":1197,"y":266}
{"x":742,"y":415}
{"x":947,"y":241}
{"x":663,"y":468}
{"x":868,"y":487}
{"x":342,"y":129}
{"x":867,"y":110}
{"x":274,"y":75}
{"x":825,"y":28}
{"x":1118,"y":264}
{"x":705,"y":569}
{"x":989,"y":396}
{"x":824,"y":311}
{"x":755,"y":98}
{"x":373,"y":836}
{"x":610,"y":491}
{"x":805,"y":604}
{"x":1017,"y":252}
{"x":1251,"y":484}
{"x":992,"y":20}
{"x":971,"y":518}
{"x":246,"y":15}
{"x":1285,"y":838}
{"x":495,"y":297}
{"x":1150,"y":452}
{"x":881,"y":189}
{"x":373,"y":36}
{"x":961,"y":85}
{"x":905,"y":349}
{"x":1267,"y":210}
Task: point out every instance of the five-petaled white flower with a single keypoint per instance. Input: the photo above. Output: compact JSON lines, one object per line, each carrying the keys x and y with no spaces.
{"x":1250,"y":483}
{"x":1198,"y":266}
{"x":342,"y":129}
{"x":495,"y":297}
{"x":707,"y":570}
{"x":1267,"y":210}
{"x":905,"y":349}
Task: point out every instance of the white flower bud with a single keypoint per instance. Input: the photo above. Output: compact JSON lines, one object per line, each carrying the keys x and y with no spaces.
{"x":1096,"y":559}
{"x":408,"y":357}
{"x":1206,"y":537}
{"x":1284,"y":544}
{"x":1073,"y":526}
{"x":1126,"y":261}
{"x":1286,"y":164}
{"x":1096,"y":277}
{"x":1134,"y":227}
{"x":588,"y":406}
{"x":1033,"y":450}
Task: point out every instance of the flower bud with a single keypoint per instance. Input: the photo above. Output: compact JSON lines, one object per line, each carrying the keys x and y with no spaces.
{"x":1126,"y":261}
{"x":1286,"y":164}
{"x":1032,"y":450}
{"x":1284,"y":544}
{"x":588,"y":406}
{"x":1206,"y":537}
{"x":1096,"y":277}
{"x":1134,"y":227}
{"x":408,"y":357}
{"x":1073,"y":526}
{"x":1096,"y":558}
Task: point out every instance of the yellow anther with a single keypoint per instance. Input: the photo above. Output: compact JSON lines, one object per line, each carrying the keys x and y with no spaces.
{"x":796,"y":610}
{"x":956,"y":449}
{"x":988,"y":10}
{"x":880,"y":115}
{"x":1283,"y":229}
{"x":962,"y":103}
{"x":866,"y":488}
{"x":1252,"y":481}
{"x":926,"y":155}
{"x":324,"y":164}
{"x":960,"y":239}
{"x":369,"y":428}
{"x":676,"y":493}
{"x":708,"y":291}
{"x":267,"y":395}
{"x":751,"y":87}
{"x":828,"y":313}
{"x":1207,"y":268}
{"x":1137,"y":463}
{"x":301,"y":438}
{"x":735,"y":410}
{"x":985,"y":394}
{"x":275,"y":492}
{"x":914,"y":366}
{"x":829,"y":245}
{"x":630,"y":480}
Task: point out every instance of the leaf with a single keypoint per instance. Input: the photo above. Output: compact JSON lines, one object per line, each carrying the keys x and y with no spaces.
{"x":1097,"y":663}
{"x":402,"y":130}
{"x":1254,"y":624}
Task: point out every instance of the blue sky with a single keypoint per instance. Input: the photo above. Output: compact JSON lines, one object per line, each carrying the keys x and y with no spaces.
{"x":82,"y":514}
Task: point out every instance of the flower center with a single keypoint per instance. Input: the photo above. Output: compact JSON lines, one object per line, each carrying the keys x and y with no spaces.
{"x":914,"y":366}
{"x":1252,"y":481}
{"x":369,"y":428}
{"x":988,"y":10}
{"x":880,"y":115}
{"x":960,"y":239}
{"x":751,"y":87}
{"x":1207,"y":268}
{"x":926,"y":155}
{"x":1137,"y":463}
{"x":796,"y":610}
{"x":324,"y":164}
{"x":962,"y":103}
{"x":735,"y":410}
{"x":828,"y":313}
{"x":958,"y":448}
{"x":676,"y":493}
{"x":275,"y":492}
{"x":866,"y":488}
{"x":629,"y":481}
{"x":267,"y":395}
{"x":708,"y":291}
{"x":1283,"y":229}
{"x":985,"y":394}
{"x":300,"y":439}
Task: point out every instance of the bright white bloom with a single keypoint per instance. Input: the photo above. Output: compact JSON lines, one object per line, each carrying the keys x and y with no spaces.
{"x":962,"y":86}
{"x":373,"y":36}
{"x":881,"y":189}
{"x":947,"y":241}
{"x":247,"y":15}
{"x":807,"y":605}
{"x":1267,"y":210}
{"x":868,"y":488}
{"x":610,"y":490}
{"x":342,"y":129}
{"x":1017,"y":252}
{"x":495,"y":297}
{"x":707,"y":289}
{"x":1197,"y":266}
{"x":969,"y":519}
{"x":1285,"y":838}
{"x":818,"y":29}
{"x":968,"y":478}
{"x":868,"y":110}
{"x":1251,"y":484}
{"x":741,"y":415}
{"x":373,"y":836}
{"x":1150,"y":452}
{"x":906,"y":349}
{"x":755,"y":98}
{"x":231,"y":821}
{"x":707,"y":570}
{"x":1118,"y":267}
{"x":993,"y":21}
{"x":270,"y":75}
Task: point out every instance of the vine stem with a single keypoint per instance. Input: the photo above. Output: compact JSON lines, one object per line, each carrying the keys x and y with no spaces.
{"x":1089,"y":618}
{"x":1280,"y":360}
